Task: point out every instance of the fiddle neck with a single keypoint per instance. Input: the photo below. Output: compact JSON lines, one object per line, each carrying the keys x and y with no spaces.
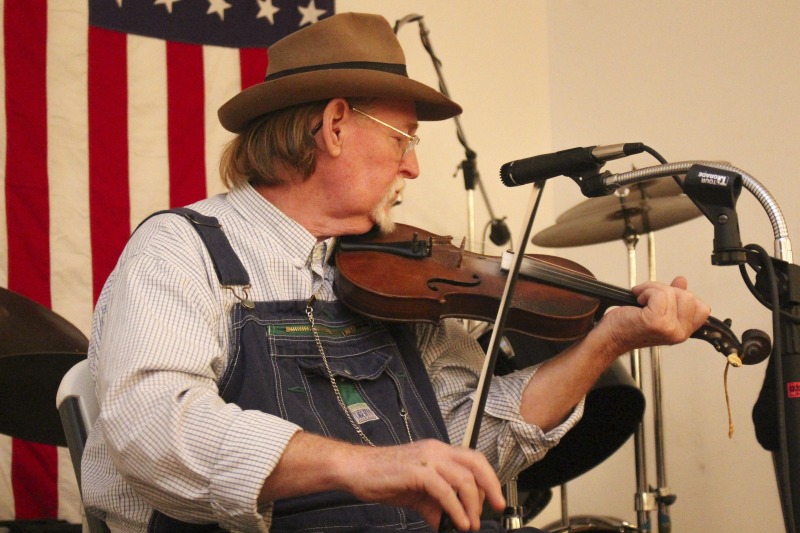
{"x":564,"y":278}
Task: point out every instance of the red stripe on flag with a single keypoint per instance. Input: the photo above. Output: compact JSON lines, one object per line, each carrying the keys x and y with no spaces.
{"x":34,"y":476}
{"x":186,"y":123}
{"x":34,"y":467}
{"x":109,"y":202}
{"x":253,"y":63}
{"x":26,"y":160}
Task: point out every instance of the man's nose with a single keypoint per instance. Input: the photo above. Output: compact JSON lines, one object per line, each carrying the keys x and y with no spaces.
{"x":409,"y":166}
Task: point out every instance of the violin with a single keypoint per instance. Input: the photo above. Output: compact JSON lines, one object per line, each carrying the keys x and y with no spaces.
{"x":411,"y":275}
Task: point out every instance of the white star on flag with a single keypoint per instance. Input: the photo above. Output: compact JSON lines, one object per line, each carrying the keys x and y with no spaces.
{"x":218,"y":7}
{"x":310,"y":13}
{"x":167,"y":3}
{"x":267,"y":11}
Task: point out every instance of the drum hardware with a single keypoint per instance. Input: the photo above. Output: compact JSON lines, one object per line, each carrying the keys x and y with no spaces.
{"x":640,"y":215}
{"x":513,"y":513}
{"x":599,"y":524}
{"x":626,"y":215}
{"x":611,"y":204}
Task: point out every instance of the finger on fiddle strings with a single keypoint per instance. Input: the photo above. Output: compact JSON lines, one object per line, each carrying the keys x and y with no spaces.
{"x":689,"y":310}
{"x":670,"y":314}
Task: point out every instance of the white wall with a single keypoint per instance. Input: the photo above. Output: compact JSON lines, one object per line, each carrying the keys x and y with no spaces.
{"x":694,"y":80}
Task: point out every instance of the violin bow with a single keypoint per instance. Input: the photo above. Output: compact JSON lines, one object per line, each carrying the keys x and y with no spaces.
{"x":482,"y":391}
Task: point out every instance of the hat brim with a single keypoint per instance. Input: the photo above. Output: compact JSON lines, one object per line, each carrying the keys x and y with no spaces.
{"x":307,"y":87}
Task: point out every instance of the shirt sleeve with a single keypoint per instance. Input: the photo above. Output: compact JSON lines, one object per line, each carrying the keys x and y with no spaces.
{"x":454,"y":361}
{"x":158,"y":349}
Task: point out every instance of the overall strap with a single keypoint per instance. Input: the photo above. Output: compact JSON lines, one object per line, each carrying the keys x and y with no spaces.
{"x":230,"y":270}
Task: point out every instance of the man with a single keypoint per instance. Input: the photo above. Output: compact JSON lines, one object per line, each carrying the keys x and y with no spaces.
{"x":237,"y":392}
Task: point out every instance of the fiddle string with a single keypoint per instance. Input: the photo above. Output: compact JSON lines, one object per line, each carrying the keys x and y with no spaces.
{"x":562,"y":276}
{"x":567,"y":278}
{"x":471,"y":244}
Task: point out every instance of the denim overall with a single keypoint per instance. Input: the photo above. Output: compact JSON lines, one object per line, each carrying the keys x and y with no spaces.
{"x":276,"y":367}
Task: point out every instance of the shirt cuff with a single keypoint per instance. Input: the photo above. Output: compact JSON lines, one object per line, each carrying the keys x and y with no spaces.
{"x":530,"y":439}
{"x":249,"y":453}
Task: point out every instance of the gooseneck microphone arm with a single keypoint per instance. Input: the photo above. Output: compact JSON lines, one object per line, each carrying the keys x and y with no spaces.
{"x":776,"y":414}
{"x":606,"y":183}
{"x":500,"y":234}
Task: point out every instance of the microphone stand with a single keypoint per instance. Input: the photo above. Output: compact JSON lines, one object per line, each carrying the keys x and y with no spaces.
{"x":777,"y":287}
{"x":500,"y":234}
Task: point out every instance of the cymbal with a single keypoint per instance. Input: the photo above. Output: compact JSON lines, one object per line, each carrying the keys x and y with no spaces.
{"x":29,"y":327}
{"x":611,"y":222}
{"x":37,"y":347}
{"x":635,"y":193}
{"x":28,"y":386}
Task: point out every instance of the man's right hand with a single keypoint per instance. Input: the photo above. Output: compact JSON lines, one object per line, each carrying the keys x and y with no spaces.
{"x":428,"y":476}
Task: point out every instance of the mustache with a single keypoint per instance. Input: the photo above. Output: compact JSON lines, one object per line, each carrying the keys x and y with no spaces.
{"x":381,"y":214}
{"x":394,"y":192}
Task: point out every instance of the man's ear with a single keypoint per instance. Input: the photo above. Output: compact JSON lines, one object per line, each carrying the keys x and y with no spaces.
{"x":334,"y":117}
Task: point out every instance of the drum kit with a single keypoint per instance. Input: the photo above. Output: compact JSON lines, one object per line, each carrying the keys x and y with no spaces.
{"x":37,"y":347}
{"x":615,"y":406}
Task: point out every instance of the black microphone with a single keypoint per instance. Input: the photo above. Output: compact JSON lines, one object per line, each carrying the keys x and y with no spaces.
{"x":499,"y":233}
{"x":573,"y":162}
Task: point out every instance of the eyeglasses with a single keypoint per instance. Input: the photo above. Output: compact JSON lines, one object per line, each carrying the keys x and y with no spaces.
{"x":412,"y":140}
{"x":411,"y":143}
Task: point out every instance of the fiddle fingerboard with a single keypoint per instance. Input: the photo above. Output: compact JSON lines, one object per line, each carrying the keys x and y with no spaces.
{"x":564,"y":278}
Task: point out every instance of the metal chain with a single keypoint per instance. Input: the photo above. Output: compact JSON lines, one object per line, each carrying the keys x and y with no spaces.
{"x":310,"y":313}
{"x":336,"y":391}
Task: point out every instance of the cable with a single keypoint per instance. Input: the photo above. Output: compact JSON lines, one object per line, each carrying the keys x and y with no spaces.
{"x":777,"y":353}
{"x":663,"y":161}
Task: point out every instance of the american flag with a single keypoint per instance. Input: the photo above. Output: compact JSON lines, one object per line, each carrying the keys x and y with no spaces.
{"x":109,"y":115}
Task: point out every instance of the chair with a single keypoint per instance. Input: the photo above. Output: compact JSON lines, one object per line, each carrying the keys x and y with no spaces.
{"x":77,"y":406}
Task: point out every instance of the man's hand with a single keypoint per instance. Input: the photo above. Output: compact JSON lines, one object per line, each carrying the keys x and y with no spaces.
{"x":429,"y":476}
{"x":670,"y":315}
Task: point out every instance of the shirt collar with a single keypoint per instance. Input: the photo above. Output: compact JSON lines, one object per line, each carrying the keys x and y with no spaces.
{"x":260,"y":212}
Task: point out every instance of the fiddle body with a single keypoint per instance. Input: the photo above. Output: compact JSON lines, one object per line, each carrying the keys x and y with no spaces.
{"x":412,"y":275}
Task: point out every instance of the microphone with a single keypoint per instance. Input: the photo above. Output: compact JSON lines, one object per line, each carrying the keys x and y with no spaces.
{"x":572,"y":163}
{"x":499,"y":233}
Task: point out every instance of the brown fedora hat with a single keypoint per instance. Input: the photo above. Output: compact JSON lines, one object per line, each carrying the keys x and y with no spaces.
{"x":350,"y":54}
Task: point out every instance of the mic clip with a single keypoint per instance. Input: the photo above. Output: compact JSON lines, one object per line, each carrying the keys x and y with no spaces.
{"x":592,"y":184}
{"x":715,"y":192}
